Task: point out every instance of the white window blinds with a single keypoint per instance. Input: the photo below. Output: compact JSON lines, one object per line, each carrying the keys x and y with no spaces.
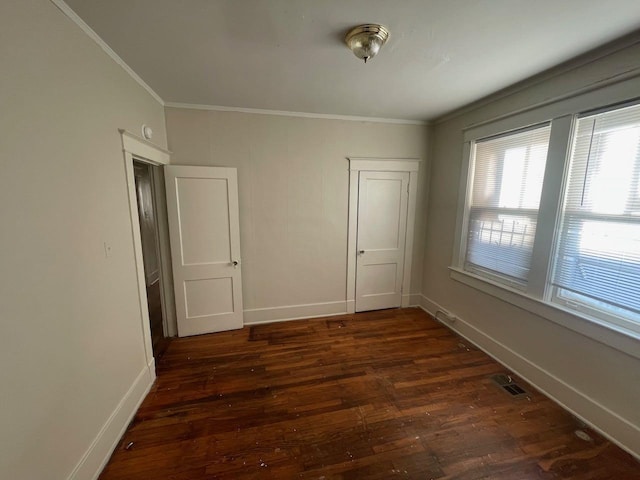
{"x":508,"y":172}
{"x":598,"y":248}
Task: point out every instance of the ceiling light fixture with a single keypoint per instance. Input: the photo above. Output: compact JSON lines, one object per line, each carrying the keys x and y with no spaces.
{"x":366,"y":40}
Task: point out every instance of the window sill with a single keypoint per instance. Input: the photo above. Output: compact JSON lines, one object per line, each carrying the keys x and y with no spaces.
{"x":620,"y":338}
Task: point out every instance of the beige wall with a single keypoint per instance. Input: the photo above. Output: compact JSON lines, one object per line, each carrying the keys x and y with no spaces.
{"x":598,"y":382}
{"x":293,"y":185}
{"x":71,"y":343}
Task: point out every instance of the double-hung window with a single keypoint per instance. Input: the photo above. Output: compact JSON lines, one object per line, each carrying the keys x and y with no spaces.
{"x":568,"y":238}
{"x":508,"y":171}
{"x":597,"y":260}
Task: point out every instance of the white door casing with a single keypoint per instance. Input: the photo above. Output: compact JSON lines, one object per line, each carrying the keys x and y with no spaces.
{"x":382,"y":222}
{"x":375,"y":291}
{"x":204,"y":228}
{"x":136,"y":148}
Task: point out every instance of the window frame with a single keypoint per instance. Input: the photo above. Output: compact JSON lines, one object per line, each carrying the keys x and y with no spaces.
{"x":478,"y":269}
{"x":548,"y":209}
{"x":539,"y":297}
{"x":586,"y":307}
{"x":589,"y":311}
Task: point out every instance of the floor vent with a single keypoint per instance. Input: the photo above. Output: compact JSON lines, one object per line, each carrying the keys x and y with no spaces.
{"x":508,"y":385}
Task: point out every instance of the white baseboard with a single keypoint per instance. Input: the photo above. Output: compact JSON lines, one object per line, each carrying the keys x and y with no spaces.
{"x":415,"y":300}
{"x":351,"y":306}
{"x":617,"y":429}
{"x":99,"y":452}
{"x":257,"y":316}
{"x":405,"y":300}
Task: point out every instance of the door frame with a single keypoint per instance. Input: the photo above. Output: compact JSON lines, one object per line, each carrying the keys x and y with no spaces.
{"x":356,"y":164}
{"x":137,"y":148}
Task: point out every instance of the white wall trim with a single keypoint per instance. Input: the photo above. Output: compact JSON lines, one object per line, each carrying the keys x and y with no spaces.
{"x":614,"y":336}
{"x":257,"y":316}
{"x":617,"y":429}
{"x":285,"y":113}
{"x":137,"y":148}
{"x":384,"y":164}
{"x":625,"y":335}
{"x":73,"y":16}
{"x":352,"y":241}
{"x":356,"y":164}
{"x":415,"y":300}
{"x":569,"y":66}
{"x":622,"y":90}
{"x":142,"y":147}
{"x":100,"y":450}
{"x":351,"y":306}
{"x":408,"y":242}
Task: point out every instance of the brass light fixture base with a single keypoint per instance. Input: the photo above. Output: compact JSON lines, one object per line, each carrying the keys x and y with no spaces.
{"x":366,"y":40}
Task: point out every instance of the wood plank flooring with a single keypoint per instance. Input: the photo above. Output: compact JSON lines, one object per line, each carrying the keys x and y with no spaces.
{"x":380,"y":395}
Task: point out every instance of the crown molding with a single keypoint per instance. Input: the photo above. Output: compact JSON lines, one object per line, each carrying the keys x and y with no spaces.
{"x":73,"y":16}
{"x":592,"y":56}
{"x":325,"y":116}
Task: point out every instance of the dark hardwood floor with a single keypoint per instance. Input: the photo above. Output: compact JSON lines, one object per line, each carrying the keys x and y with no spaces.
{"x":380,"y":395}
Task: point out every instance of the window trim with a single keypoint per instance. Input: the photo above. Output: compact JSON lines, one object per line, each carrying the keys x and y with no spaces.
{"x":612,"y":335}
{"x":539,"y":295}
{"x":554,"y":295}
{"x":590,"y":312}
{"x":515,"y":211}
{"x":548,"y":209}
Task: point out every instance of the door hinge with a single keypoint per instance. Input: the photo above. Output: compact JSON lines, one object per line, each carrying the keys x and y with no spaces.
{"x":407,"y":187}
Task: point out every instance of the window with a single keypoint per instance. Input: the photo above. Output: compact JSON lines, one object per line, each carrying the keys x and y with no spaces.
{"x":505,"y":196}
{"x":552,"y":216}
{"x":597,"y":261}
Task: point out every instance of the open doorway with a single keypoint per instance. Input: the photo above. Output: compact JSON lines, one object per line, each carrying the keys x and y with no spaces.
{"x":144,"y":174}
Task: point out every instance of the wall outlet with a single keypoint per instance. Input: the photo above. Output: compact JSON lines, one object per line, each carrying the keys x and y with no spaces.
{"x":107,"y":250}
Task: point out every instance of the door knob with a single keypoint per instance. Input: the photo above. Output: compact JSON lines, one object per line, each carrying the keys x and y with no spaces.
{"x":234,"y":263}
{"x":361,"y":252}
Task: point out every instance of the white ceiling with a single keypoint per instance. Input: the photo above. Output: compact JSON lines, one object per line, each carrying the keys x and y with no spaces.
{"x":289,"y":54}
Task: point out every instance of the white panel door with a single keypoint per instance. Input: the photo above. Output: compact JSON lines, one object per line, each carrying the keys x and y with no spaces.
{"x":204,"y":228}
{"x":382,"y":227}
